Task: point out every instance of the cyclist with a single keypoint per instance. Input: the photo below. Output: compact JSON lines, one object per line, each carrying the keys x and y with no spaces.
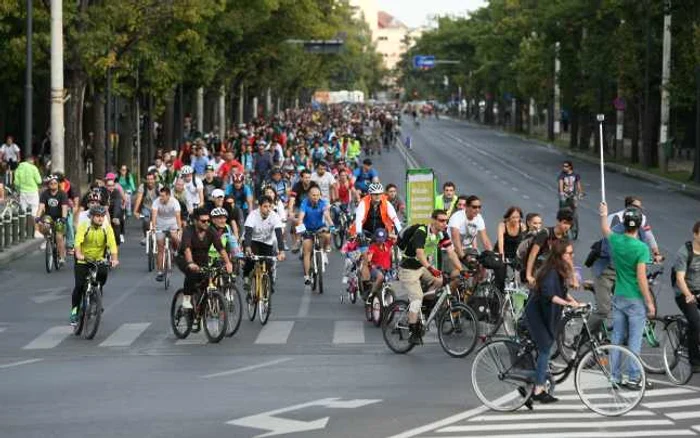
{"x":299,"y":193}
{"x":392,"y":193}
{"x":364,"y":176}
{"x":211,"y":182}
{"x":466,"y":225}
{"x":541,"y":243}
{"x":54,"y":203}
{"x":326,"y":182}
{"x":194,"y":190}
{"x":262,"y":228}
{"x":314,"y":215}
{"x":194,"y":252}
{"x":569,"y":184}
{"x":416,"y":271}
{"x":378,"y":261}
{"x":279,"y":184}
{"x":92,"y":240}
{"x":115,"y":205}
{"x":448,"y":200}
{"x":630,"y":256}
{"x":375,"y":211}
{"x":219,"y":219}
{"x":686,"y":269}
{"x":234,"y":214}
{"x":241,"y":193}
{"x":165,"y":218}
{"x":146,"y":194}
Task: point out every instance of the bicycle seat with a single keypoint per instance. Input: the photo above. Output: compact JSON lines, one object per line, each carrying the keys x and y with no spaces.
{"x":670,"y":318}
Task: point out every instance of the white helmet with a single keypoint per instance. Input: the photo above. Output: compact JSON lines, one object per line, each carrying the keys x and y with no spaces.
{"x":186,"y":170}
{"x":375,"y":189}
{"x":218,"y":212}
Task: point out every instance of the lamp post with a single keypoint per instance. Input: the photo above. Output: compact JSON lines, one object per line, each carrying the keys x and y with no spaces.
{"x":28,"y":88}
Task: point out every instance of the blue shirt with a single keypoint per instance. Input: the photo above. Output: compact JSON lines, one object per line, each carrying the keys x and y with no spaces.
{"x":199,"y":164}
{"x":240,"y":196}
{"x":363,"y":179}
{"x":313,"y":215}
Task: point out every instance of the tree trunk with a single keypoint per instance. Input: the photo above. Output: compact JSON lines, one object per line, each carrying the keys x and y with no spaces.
{"x":636,"y":112}
{"x":126,"y":134}
{"x":574,"y":128}
{"x":586,"y":131}
{"x":98,"y":146}
{"x":147,"y":147}
{"x":168,"y":122}
{"x":76,"y":81}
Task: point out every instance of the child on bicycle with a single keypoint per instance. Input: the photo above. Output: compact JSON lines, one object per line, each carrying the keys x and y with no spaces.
{"x":378,"y":261}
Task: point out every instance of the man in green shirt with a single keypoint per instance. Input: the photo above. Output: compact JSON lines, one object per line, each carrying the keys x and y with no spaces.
{"x":630,"y":256}
{"x":27,"y":183}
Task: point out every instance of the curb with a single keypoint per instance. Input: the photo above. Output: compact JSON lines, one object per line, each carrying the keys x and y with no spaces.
{"x":18,"y":251}
{"x":689,"y":188}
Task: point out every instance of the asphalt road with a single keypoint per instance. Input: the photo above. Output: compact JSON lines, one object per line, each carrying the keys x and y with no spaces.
{"x":317,"y":368}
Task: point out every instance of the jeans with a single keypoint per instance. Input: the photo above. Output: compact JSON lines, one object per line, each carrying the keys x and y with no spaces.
{"x":70,"y":230}
{"x":542,"y":365}
{"x":603,"y":286}
{"x":629,"y":316}
{"x":690,"y":311}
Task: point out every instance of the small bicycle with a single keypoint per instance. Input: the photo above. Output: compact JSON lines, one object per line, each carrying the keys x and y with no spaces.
{"x":259,"y":299}
{"x":377,"y":303}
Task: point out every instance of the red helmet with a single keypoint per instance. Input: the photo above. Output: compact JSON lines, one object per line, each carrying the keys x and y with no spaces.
{"x":238,"y":178}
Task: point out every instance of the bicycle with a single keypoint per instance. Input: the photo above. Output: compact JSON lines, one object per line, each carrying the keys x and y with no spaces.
{"x":90,"y":309}
{"x":355,"y":285}
{"x":452,"y":320}
{"x":151,"y":248}
{"x":261,"y":289}
{"x":319,"y":259}
{"x":503,"y":373}
{"x":51,"y":246}
{"x":677,"y":364}
{"x":209,"y":308}
{"x":11,"y":202}
{"x":227,"y":283}
{"x":167,"y":266}
{"x":571,"y":201}
{"x":377,"y":303}
{"x":514,"y":298}
{"x":341,"y":227}
{"x":486,"y":301}
{"x":654,"y":336}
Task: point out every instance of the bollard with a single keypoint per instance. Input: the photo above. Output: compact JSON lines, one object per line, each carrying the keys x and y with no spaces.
{"x":8,"y":229}
{"x":29,"y":219}
{"x":15,"y":228}
{"x":2,"y":235}
{"x":22,"y":219}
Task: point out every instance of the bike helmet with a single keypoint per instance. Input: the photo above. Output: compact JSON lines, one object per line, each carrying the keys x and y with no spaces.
{"x":218,"y":212}
{"x":110,"y":176}
{"x":94,"y":197}
{"x":186,"y":170}
{"x":238,"y":178}
{"x":375,"y":189}
{"x":380,"y":235}
{"x":632,"y":218}
{"x":97,"y":210}
{"x":275,"y":170}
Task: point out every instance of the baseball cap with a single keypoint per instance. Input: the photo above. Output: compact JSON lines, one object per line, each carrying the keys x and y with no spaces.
{"x":210,"y":167}
{"x":217,"y":193}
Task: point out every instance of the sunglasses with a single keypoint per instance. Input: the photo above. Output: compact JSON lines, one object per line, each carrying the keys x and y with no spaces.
{"x":476,"y":207}
{"x":442,"y":221}
{"x":204,"y":221}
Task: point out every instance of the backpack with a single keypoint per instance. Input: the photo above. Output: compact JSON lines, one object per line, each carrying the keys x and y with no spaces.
{"x":406,"y":235}
{"x":689,"y":247}
{"x":524,"y":247}
{"x":594,"y":254}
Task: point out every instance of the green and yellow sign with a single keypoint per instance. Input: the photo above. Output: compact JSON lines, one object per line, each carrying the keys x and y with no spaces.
{"x":420,"y":195}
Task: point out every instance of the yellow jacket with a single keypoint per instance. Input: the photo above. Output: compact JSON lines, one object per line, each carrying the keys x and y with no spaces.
{"x":93,"y":241}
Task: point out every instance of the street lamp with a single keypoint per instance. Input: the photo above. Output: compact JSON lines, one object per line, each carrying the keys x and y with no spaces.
{"x":28,"y":88}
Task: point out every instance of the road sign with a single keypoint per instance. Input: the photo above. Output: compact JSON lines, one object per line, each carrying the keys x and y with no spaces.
{"x":424,"y":61}
{"x":420,"y":195}
{"x":282,"y":426}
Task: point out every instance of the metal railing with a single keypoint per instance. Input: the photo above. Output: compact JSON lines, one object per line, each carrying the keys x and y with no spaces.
{"x":16,"y":223}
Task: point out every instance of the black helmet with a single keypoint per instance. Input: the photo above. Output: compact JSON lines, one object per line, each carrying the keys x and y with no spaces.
{"x":632,"y":218}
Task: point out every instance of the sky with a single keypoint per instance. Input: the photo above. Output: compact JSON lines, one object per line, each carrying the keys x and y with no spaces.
{"x":415,"y":13}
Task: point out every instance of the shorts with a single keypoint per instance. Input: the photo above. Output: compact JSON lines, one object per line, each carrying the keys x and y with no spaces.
{"x":59,"y":225}
{"x":161,"y":228}
{"x":415,"y":281}
{"x":309,"y":234}
{"x":375,"y":271}
{"x":29,"y":200}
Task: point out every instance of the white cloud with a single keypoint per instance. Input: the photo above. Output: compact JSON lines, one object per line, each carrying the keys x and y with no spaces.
{"x":416,"y":13}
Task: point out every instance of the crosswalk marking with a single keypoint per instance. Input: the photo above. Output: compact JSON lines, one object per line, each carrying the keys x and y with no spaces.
{"x":651,"y":393}
{"x":349,"y":332}
{"x":50,"y":338}
{"x":2,"y":329}
{"x":527,"y":416}
{"x":683,"y":415}
{"x":598,"y":434}
{"x":275,"y":332}
{"x":196,"y":339}
{"x":672,"y":403}
{"x":125,"y":335}
{"x":554,"y":425}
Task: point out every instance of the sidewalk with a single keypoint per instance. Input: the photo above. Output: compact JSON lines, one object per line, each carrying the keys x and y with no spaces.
{"x":17,"y":251}
{"x":689,"y":187}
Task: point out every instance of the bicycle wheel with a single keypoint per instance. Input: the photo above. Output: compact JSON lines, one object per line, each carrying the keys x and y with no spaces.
{"x":569,"y":334}
{"x":93,"y":312}
{"x":48,"y":255}
{"x":573,"y":231}
{"x":457,"y":330}
{"x":598,"y":377}
{"x":166,"y":264}
{"x":252,"y":298}
{"x":180,"y":318}
{"x":395,"y":327}
{"x":215,"y":317}
{"x":487,"y":302}
{"x":319,"y":271}
{"x":676,"y":354}
{"x":503,"y":375}
{"x":54,"y":246}
{"x":652,"y":353}
{"x":264,"y":304}
{"x":233,"y":307}
{"x":151,"y":255}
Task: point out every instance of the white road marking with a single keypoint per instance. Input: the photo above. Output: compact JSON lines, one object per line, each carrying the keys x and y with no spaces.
{"x":196,"y":339}
{"x":2,"y":329}
{"x":527,"y":416}
{"x":555,"y":425}
{"x":305,"y":303}
{"x":275,"y":332}
{"x":349,"y":332}
{"x":125,"y":335}
{"x":597,"y":434}
{"x":21,"y":362}
{"x":440,"y":423}
{"x":672,"y":403}
{"x":50,"y":338}
{"x":248,"y":368}
{"x":526,"y":197}
{"x":683,"y":415}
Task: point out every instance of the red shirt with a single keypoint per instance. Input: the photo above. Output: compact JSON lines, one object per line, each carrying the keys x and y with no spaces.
{"x":177,"y":164}
{"x":380,"y":255}
{"x":344,"y":193}
{"x":226,"y":168}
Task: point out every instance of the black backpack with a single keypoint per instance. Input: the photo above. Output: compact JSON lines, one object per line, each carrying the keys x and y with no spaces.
{"x":406,"y":235}
{"x":689,"y":247}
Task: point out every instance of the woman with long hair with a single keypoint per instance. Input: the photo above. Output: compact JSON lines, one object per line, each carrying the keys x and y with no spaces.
{"x":543,"y":309}
{"x":128,"y":185}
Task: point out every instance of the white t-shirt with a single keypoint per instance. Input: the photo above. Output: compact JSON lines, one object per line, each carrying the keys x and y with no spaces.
{"x":324,"y":183}
{"x":166,"y":218}
{"x":263,"y":229}
{"x":216,"y":164}
{"x":9,"y":152}
{"x":468,"y":228}
{"x":192,"y":193}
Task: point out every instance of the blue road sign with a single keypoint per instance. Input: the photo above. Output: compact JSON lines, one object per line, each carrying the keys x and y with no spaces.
{"x":424,"y":61}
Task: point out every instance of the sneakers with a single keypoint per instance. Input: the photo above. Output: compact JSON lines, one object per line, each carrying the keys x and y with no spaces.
{"x":61,"y":262}
{"x":121,"y":238}
{"x":416,"y":338}
{"x":43,"y":245}
{"x":636,"y":385}
{"x":74,"y":316}
{"x":160,"y":276}
{"x":307,"y":280}
{"x":296,"y":247}
{"x":187,"y":302}
{"x":544,"y":398}
{"x":143,"y":242}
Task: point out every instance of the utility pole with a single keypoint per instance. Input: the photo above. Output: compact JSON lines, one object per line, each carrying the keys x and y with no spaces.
{"x":57,"y":92}
{"x":222,"y":112}
{"x":557,"y":91}
{"x":108,"y":119}
{"x":28,"y":88}
{"x":665,"y":95}
{"x":241,"y":103}
{"x":200,"y":110}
